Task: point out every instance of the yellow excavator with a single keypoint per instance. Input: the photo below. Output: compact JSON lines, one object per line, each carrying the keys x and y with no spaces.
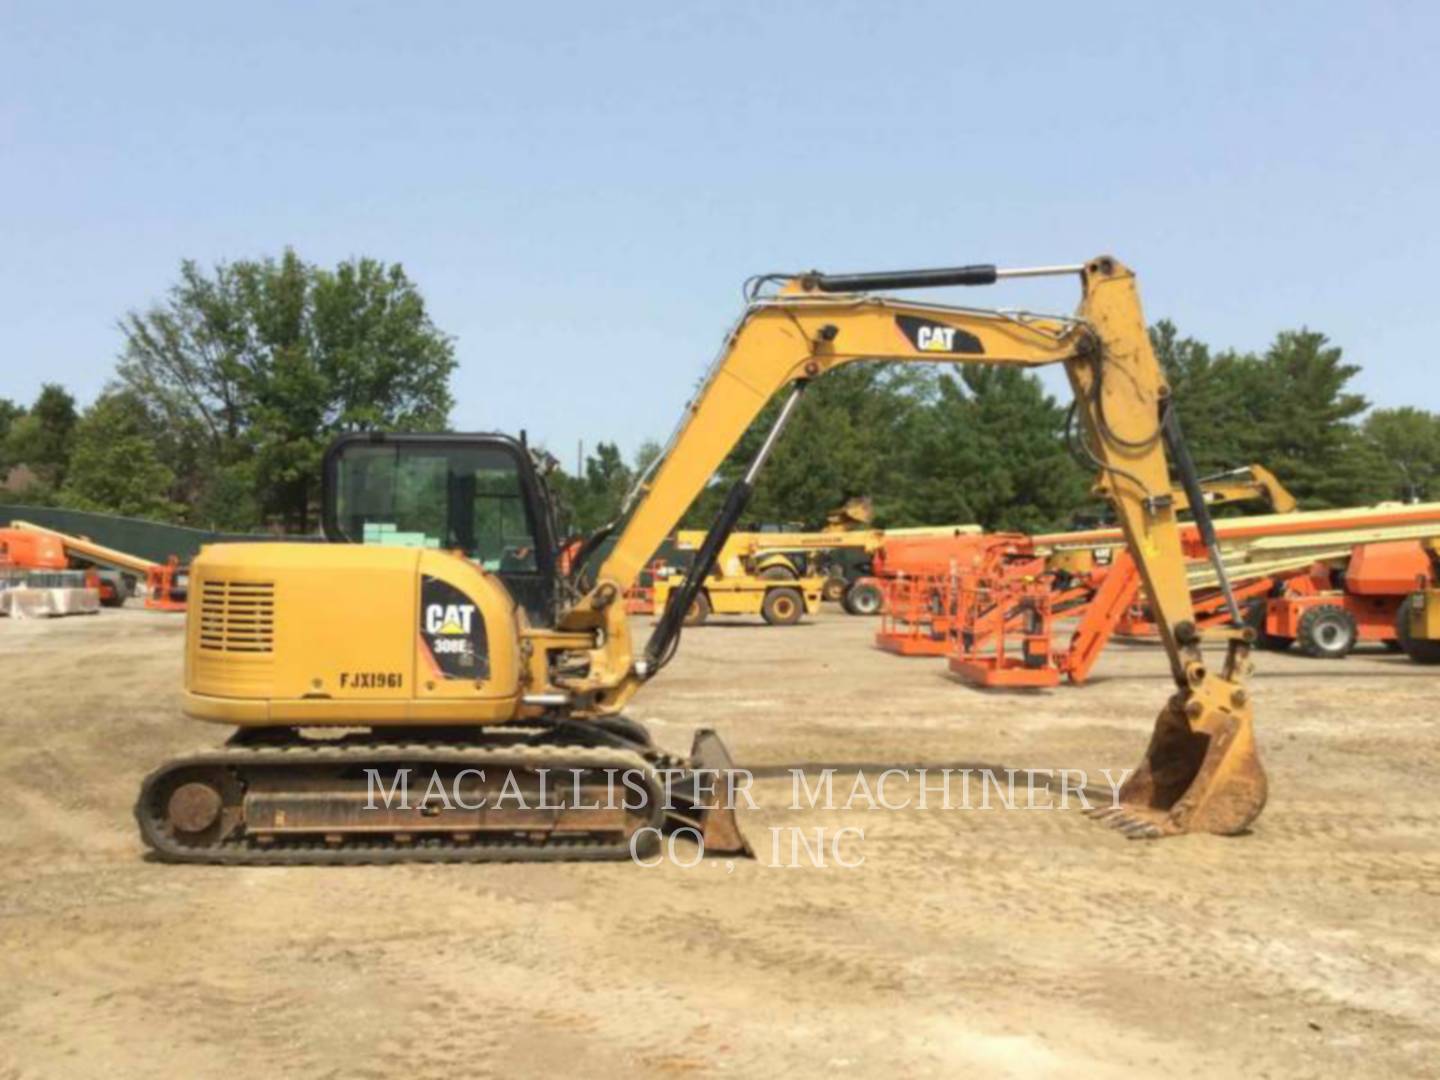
{"x":437,"y":638}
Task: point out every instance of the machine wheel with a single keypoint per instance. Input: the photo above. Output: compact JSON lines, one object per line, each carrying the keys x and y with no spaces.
{"x":699,"y":611}
{"x":1327,"y":632}
{"x":1255,"y":619}
{"x":778,"y":573}
{"x":863,"y":598}
{"x":783,"y":607}
{"x":1421,"y":650}
{"x":834,"y":589}
{"x":115,"y":588}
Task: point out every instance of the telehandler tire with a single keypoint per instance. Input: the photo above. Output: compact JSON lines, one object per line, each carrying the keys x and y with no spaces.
{"x":1421,"y":650}
{"x":1327,"y":632}
{"x":863,"y":598}
{"x":699,"y":611}
{"x":782,"y":607}
{"x":834,"y":589}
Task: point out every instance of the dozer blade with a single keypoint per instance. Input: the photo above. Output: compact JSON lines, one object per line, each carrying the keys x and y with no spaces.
{"x":1201,"y":772}
{"x":703,"y":797}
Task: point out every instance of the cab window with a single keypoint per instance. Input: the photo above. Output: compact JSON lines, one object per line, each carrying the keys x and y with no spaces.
{"x":466,"y":499}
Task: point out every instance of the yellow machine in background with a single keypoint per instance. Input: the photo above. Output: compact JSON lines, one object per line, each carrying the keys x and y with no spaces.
{"x":438,"y":637}
{"x":765,"y":573}
{"x":769,"y":573}
{"x":1250,"y":483}
{"x":773,"y":573}
{"x":779,"y":601}
{"x":1418,"y":621}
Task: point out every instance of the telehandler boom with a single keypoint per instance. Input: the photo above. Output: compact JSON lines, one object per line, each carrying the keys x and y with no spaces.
{"x":443,"y":639}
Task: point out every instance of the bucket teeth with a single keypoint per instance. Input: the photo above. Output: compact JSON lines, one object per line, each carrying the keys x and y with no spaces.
{"x":1141,"y":830}
{"x":1134,"y":826}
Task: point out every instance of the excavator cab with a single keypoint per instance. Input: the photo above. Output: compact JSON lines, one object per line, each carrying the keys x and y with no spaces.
{"x":478,"y":495}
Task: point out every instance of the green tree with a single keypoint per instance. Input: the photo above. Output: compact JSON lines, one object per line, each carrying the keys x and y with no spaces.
{"x":1306,"y":423}
{"x":258,"y":365}
{"x":115,"y":465}
{"x":990,"y":450}
{"x":1407,"y":441}
{"x":40,"y":438}
{"x":9,"y":413}
{"x":842,"y":441}
{"x":1217,"y":396}
{"x":647,"y":455}
{"x":594,"y":499}
{"x":1289,"y":409}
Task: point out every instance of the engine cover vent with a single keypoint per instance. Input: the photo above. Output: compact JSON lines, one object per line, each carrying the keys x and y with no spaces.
{"x":237,"y":616}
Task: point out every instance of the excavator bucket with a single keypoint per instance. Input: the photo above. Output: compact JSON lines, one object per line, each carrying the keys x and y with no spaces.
{"x":1201,"y":772}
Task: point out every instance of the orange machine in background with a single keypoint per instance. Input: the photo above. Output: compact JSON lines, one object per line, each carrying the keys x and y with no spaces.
{"x":1328,"y":610}
{"x":1326,"y":580}
{"x":167,"y":586}
{"x":26,"y":555}
{"x":25,"y":546}
{"x":1327,"y":607}
{"x":22,"y":549}
{"x":991,"y":621}
{"x":923,"y":581}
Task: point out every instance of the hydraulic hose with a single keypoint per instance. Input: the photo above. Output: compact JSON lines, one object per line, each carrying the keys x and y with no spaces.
{"x":666,"y":635}
{"x":1190,"y":481}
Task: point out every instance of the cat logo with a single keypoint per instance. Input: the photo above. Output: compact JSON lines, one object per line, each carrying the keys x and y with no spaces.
{"x":933,"y":337}
{"x":449,"y":619}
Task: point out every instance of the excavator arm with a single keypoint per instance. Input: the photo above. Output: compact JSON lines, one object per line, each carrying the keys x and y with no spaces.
{"x":1201,"y":771}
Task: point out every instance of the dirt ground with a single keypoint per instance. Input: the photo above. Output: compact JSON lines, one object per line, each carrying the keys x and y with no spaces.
{"x":1022,"y":942}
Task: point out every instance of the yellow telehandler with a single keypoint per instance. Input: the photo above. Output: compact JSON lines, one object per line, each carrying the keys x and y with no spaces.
{"x":770,"y":573}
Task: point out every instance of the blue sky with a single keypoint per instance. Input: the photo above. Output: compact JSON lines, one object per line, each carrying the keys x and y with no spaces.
{"x":580,"y":189}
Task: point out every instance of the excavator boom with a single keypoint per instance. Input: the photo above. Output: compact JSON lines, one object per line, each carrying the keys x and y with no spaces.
{"x":1201,"y":771}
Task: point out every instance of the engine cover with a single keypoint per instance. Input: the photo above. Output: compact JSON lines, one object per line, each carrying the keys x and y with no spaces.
{"x":347,"y":635}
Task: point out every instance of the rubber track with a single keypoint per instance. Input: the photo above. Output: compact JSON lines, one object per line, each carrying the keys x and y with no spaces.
{"x":244,"y":851}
